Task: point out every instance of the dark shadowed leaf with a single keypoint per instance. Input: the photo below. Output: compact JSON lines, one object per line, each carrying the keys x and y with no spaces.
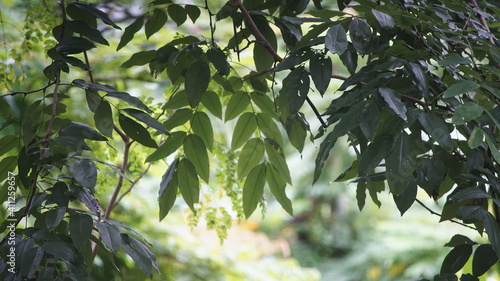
{"x":253,"y":189}
{"x":336,"y":39}
{"x":193,"y":12}
{"x":459,"y":239}
{"x":130,"y":31}
{"x":86,"y":30}
{"x":383,"y":19}
{"x":146,"y":119}
{"x":406,"y":198}
{"x":484,"y":258}
{"x":103,"y":118}
{"x":217,"y":57}
{"x":155,"y":22}
{"x":177,"y":13}
{"x":460,"y":88}
{"x":95,"y":12}
{"x":168,"y":189}
{"x":140,"y":58}
{"x":436,"y":128}
{"x":394,"y":102}
{"x":126,"y":97}
{"x":197,"y":80}
{"x":136,"y":131}
{"x":110,"y":235}
{"x":350,"y":58}
{"x":80,"y":228}
{"x":467,"y":112}
{"x":74,"y":45}
{"x":321,"y":72}
{"x":456,"y":259}
{"x":84,"y":172}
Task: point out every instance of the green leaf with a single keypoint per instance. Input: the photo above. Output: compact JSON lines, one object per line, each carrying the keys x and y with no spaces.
{"x":86,"y":30}
{"x":406,"y":198}
{"x":95,"y":12}
{"x":80,"y":229}
{"x":296,"y":87}
{"x":177,"y":13}
{"x":484,"y":258}
{"x":400,"y":164}
{"x":155,"y":22}
{"x":262,"y":58}
{"x":7,"y":143}
{"x":197,"y":80}
{"x":436,"y":128}
{"x":188,"y":182}
{"x":374,"y":154}
{"x":321,"y":72}
{"x":456,"y":259}
{"x":493,"y":148}
{"x":265,"y":103}
{"x":196,"y":151}
{"x":475,"y":213}
{"x":238,"y":102}
{"x":294,"y":58}
{"x":350,"y":58}
{"x":74,"y":45}
{"x":360,"y":34}
{"x":93,"y":99}
{"x":136,"y":131}
{"x":369,"y":125}
{"x":459,"y":239}
{"x":217,"y":57}
{"x":110,"y":235}
{"x":253,"y":189}
{"x":383,"y":19}
{"x":146,"y":119}
{"x":462,"y":87}
{"x":202,"y":126}
{"x":469,"y":193}
{"x":324,"y":152}
{"x":394,"y":102}
{"x":137,"y":251}
{"x":296,"y":129}
{"x":54,"y":217}
{"x":361,"y":194}
{"x":193,"y":12}
{"x":130,"y":31}
{"x":84,"y":172}
{"x":168,"y":147}
{"x":269,"y":128}
{"x":168,"y":190}
{"x":277,"y":186}
{"x":336,"y":39}
{"x":179,"y":117}
{"x":211,"y":102}
{"x":467,"y":112}
{"x":245,"y":127}
{"x":452,"y":59}
{"x":140,"y":58}
{"x":103,"y":119}
{"x":61,"y":250}
{"x":278,"y":161}
{"x":131,"y":100}
{"x":250,"y":156}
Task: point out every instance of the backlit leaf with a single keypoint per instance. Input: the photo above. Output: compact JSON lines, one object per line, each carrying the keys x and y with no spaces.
{"x":250,"y":156}
{"x":177,"y":13}
{"x":277,"y":186}
{"x":238,"y":102}
{"x":196,"y":151}
{"x":202,"y":126}
{"x":180,"y":117}
{"x":253,"y":189}
{"x":245,"y":127}
{"x":188,"y":182}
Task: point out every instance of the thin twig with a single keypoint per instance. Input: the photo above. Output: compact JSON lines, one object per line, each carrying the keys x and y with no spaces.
{"x":439,"y":215}
{"x":29,"y":92}
{"x":132,"y":185}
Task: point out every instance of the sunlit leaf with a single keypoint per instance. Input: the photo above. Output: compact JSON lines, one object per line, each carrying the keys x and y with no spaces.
{"x":180,"y":117}
{"x":188,"y":183}
{"x":253,"y":189}
{"x":268,"y":127}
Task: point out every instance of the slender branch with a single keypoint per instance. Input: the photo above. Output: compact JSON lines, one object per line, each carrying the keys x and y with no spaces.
{"x":439,"y":215}
{"x":415,"y":100}
{"x":132,"y":185}
{"x":263,"y":41}
{"x":29,"y":92}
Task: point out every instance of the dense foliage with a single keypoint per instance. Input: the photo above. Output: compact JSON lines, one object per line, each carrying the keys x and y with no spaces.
{"x":419,"y":109}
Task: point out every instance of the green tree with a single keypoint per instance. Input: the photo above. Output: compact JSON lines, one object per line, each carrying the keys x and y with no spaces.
{"x":418,"y":106}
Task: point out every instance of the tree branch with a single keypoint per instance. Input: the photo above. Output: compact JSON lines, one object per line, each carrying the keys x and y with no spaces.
{"x":439,"y":215}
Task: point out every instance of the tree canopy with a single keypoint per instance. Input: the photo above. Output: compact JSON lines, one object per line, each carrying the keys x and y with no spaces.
{"x":418,"y":106}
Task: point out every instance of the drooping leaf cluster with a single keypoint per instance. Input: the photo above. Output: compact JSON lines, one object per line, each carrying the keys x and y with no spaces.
{"x":419,"y":107}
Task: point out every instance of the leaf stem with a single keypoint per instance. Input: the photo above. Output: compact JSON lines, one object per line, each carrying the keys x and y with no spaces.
{"x":439,"y":215}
